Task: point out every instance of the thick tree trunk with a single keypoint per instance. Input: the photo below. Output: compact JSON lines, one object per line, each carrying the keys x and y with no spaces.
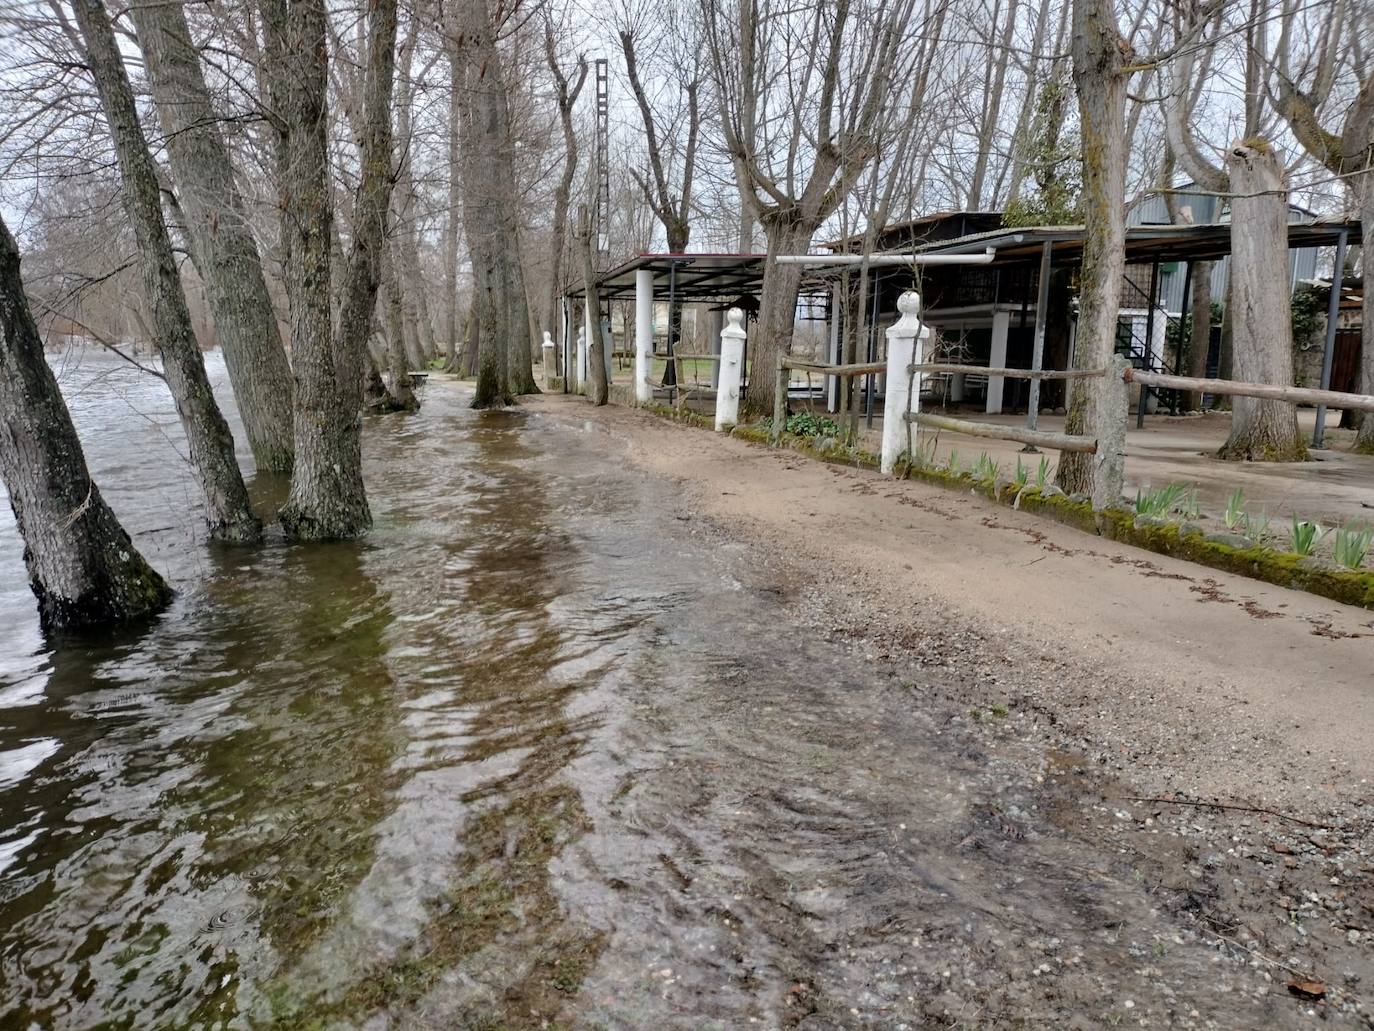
{"x":786,"y":234}
{"x":1262,"y":324}
{"x":207,"y":434}
{"x":1364,"y":440}
{"x":452,"y":330}
{"x":217,"y":220}
{"x":490,"y":214}
{"x":1101,"y":86}
{"x":83,"y":568}
{"x":328,"y":500}
{"x":600,"y":392}
{"x":1199,"y":331}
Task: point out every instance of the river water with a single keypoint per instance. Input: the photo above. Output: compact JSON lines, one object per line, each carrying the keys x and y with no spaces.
{"x":539,"y":751}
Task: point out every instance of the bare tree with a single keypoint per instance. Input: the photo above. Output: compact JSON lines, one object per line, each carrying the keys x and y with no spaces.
{"x":566,"y":91}
{"x":210,"y":443}
{"x":1258,"y":302}
{"x":83,"y":568}
{"x":217,"y":220}
{"x":489,"y":212}
{"x":1100,"y":56}
{"x":596,"y":349}
{"x":328,"y":499}
{"x":840,"y":73}
{"x":1336,"y":127}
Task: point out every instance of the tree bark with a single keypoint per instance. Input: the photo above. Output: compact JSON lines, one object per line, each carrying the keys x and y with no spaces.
{"x":1364,"y":187}
{"x":1259,"y":303}
{"x":328,"y":500}
{"x":1199,"y":331}
{"x":400,"y":397}
{"x":83,"y":568}
{"x":596,"y":351}
{"x":1098,"y":72}
{"x":489,"y":212}
{"x":207,"y":434}
{"x":786,"y":234}
{"x":566,"y":95}
{"x":217,"y":220}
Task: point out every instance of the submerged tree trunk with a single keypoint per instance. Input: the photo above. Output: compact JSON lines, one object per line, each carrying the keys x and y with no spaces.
{"x":1098,"y":57}
{"x":207,"y":434}
{"x":217,"y":220}
{"x":1262,"y":325}
{"x":1200,"y":331}
{"x":328,"y":500}
{"x":490,"y":216}
{"x":82,"y":566}
{"x":399,"y":395}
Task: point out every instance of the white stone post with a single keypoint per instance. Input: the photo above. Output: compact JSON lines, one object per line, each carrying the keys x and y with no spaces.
{"x":997,"y":359}
{"x":546,"y":357}
{"x":905,"y":340}
{"x":731,"y":370}
{"x":584,"y":369}
{"x":832,"y":353}
{"x":644,"y":335}
{"x":607,"y":348}
{"x":581,"y":359}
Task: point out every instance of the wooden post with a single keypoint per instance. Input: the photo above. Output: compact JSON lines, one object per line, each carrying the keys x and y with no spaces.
{"x":731,"y":368}
{"x":780,"y":400}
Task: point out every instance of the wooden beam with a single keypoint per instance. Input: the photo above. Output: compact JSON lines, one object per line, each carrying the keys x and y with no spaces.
{"x":996,"y":431}
{"x":1235,"y":388}
{"x":930,"y":367}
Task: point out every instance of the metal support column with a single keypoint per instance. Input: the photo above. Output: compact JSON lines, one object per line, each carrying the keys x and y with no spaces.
{"x":1149,"y":344}
{"x":1042,"y":304}
{"x":1333,"y":309}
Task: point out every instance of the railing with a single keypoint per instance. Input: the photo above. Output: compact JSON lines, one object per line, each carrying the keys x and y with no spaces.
{"x":1263,"y":391}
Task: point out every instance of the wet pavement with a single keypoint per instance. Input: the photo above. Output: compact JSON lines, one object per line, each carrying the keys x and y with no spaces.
{"x":544,"y":750}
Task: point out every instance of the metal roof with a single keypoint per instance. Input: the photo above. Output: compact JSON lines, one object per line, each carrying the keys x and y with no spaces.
{"x":699,"y":277}
{"x":726,"y":277}
{"x":1144,"y":244}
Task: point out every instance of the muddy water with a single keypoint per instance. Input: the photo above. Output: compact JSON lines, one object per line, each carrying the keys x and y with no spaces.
{"x":541,"y":751}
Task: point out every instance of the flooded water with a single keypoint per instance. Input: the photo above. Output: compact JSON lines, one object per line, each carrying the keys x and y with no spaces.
{"x":540,"y":751}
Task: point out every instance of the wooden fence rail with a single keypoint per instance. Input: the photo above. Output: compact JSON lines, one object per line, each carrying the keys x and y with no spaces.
{"x":1035,"y":438}
{"x":1266,"y":391}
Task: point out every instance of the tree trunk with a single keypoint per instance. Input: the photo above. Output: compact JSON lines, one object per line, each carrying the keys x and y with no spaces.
{"x":452,"y":330}
{"x":596,"y":350}
{"x":1101,"y":86}
{"x":787,"y":234}
{"x":400,"y":395}
{"x":1199,"y":331}
{"x":489,"y":211}
{"x":83,"y":568}
{"x":217,"y":220}
{"x":328,"y":500}
{"x":207,"y":434}
{"x":1364,"y":440}
{"x":1262,"y":325}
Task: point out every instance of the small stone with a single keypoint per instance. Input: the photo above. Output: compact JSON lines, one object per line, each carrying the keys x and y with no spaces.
{"x":1230,"y":540}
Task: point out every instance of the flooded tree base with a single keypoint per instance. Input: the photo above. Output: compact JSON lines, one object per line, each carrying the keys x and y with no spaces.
{"x":551,"y":749}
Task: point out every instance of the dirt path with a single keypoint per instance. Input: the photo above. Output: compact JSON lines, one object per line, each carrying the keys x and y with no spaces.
{"x":1089,"y":690}
{"x":1188,"y":678}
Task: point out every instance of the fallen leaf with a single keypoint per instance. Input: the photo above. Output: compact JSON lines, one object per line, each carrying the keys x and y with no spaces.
{"x":1307,"y":989}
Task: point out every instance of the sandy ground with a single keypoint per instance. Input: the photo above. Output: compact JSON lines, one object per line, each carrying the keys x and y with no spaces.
{"x":1334,"y":487}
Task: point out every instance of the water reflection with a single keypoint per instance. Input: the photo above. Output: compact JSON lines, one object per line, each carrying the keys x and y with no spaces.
{"x":326,"y":774}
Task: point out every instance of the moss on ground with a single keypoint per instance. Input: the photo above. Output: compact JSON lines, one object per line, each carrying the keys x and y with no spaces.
{"x":1351,"y":587}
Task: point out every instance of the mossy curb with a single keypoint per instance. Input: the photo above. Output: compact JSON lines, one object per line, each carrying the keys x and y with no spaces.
{"x":1280,"y":568}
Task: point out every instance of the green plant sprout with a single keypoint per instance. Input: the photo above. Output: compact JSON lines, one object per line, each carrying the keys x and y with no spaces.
{"x":1305,"y":536}
{"x":1351,"y":546}
{"x":1234,"y":516}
